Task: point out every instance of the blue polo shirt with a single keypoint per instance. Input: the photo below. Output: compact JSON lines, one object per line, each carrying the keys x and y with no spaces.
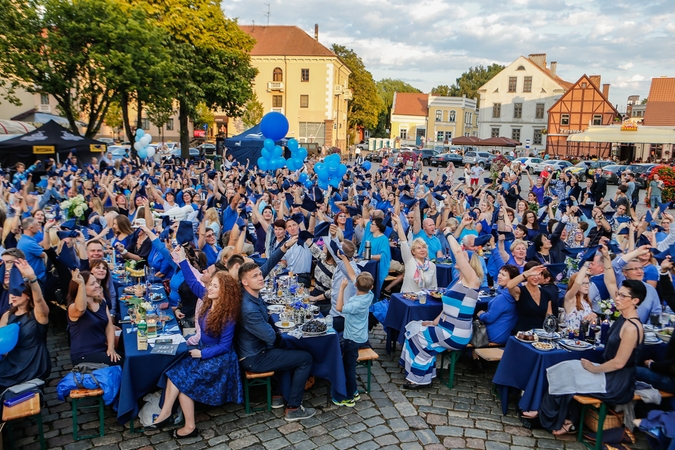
{"x":433,"y":243}
{"x":33,"y":251}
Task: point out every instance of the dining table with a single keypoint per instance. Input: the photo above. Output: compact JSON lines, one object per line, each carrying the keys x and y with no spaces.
{"x":523,"y":367}
{"x":142,"y":369}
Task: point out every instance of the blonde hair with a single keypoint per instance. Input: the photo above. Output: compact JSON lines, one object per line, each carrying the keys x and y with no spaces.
{"x":452,"y":223}
{"x":475,"y":264}
{"x":418,"y":242}
{"x":211,"y":215}
{"x":516,"y":243}
{"x":97,"y":206}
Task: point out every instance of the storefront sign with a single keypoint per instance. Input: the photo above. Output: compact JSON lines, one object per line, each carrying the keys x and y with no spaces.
{"x":43,"y":150}
{"x":199,"y":133}
{"x":629,"y":126}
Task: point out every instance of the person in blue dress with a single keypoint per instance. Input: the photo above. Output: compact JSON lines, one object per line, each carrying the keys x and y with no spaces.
{"x":210,"y":374}
{"x":501,"y":315}
{"x":380,"y":250}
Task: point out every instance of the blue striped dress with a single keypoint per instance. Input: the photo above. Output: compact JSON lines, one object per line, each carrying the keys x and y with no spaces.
{"x":453,"y":332}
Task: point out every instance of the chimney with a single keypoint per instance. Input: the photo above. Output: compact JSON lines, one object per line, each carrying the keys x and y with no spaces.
{"x":605,"y":90}
{"x":554,"y":68}
{"x":316,"y":31}
{"x":539,"y":59}
{"x":595,"y":79}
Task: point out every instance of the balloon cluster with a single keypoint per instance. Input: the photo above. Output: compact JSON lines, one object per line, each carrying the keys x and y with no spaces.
{"x":298,"y":155}
{"x":330,"y":171}
{"x":274,"y":126}
{"x":142,"y":143}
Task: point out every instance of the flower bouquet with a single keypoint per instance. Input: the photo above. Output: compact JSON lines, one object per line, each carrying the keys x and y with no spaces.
{"x":608,"y":308}
{"x":142,"y":307}
{"x":74,"y":208}
{"x":135,"y":268}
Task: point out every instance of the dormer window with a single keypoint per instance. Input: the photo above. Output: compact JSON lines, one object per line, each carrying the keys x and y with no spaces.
{"x":520,"y":68}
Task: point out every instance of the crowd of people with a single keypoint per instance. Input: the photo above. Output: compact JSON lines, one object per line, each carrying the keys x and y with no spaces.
{"x":212,"y":236}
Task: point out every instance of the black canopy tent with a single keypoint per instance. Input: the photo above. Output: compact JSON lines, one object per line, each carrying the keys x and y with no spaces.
{"x":249,"y":144}
{"x":49,"y":141}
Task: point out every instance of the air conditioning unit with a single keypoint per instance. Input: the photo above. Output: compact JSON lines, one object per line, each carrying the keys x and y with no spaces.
{"x":279,"y":110}
{"x":338,"y":89}
{"x":275,"y":86}
{"x":45,"y":108}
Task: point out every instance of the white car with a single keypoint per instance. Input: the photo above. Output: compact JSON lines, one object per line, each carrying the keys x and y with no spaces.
{"x":556,"y":164}
{"x":530,"y":164}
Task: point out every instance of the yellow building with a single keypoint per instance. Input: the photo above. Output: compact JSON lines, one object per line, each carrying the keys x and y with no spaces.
{"x":419,"y":119}
{"x":302,"y":79}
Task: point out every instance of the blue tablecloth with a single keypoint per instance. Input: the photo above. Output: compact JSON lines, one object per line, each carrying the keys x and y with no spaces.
{"x":523,"y":367}
{"x":326,"y":355}
{"x":141,"y":370}
{"x":443,"y":275}
{"x":402,"y":311}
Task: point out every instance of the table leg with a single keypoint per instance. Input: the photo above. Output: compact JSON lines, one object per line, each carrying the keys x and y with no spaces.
{"x":504,"y":394}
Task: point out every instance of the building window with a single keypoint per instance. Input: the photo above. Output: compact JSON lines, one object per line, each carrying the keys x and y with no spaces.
{"x":169,"y":125}
{"x":278,"y":74}
{"x":468,"y":119}
{"x":496,"y":110}
{"x":145,"y":123}
{"x":515,"y":134}
{"x":451,"y":116}
{"x":597,"y":119}
{"x":439,"y":115}
{"x":439,"y":135}
{"x":537,"y":137}
{"x":44,"y":99}
{"x":448,"y":136}
{"x":512,"y":84}
{"x":527,"y":84}
{"x":403,"y":133}
{"x":520,"y":68}
{"x":539,"y":112}
{"x":517,"y":110}
{"x":494,"y":132}
{"x":584,"y":85}
{"x":304,"y":74}
{"x":564,"y":119}
{"x":304,"y":101}
{"x":277,"y":101}
{"x":312,"y":132}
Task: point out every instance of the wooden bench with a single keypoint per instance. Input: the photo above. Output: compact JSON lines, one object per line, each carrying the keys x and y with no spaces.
{"x":490,"y":354}
{"x":29,"y":408}
{"x":80,"y":394}
{"x":366,"y":357}
{"x":453,"y":357}
{"x":257,"y":379}
{"x":601,"y":408}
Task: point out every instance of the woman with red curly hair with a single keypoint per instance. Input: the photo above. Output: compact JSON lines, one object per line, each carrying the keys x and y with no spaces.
{"x":211,"y":374}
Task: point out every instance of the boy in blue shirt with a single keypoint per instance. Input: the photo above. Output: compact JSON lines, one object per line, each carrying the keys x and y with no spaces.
{"x":355,"y":334}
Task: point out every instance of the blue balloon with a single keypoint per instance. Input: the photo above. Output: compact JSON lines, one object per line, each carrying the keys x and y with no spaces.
{"x":290,"y":163}
{"x":322,"y":173}
{"x":278,"y":163}
{"x":263,"y":163}
{"x":342,"y":170}
{"x":269,"y":144}
{"x":308,"y":183}
{"x":140,"y":133}
{"x":278,"y":152}
{"x":322,"y":184}
{"x":274,"y":125}
{"x":143,"y":153}
{"x":298,"y":163}
{"x":265,"y":153}
{"x":301,"y":153}
{"x":366,"y":165}
{"x":138,"y":138}
{"x":9,"y":336}
{"x":302,"y":177}
{"x":335,"y":182}
{"x":292,"y":145}
{"x":333,"y":170}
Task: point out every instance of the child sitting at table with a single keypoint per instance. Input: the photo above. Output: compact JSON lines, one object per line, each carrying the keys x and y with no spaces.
{"x":355,"y":312}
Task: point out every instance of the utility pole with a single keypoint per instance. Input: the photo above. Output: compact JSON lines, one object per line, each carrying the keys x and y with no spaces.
{"x":267,"y":14}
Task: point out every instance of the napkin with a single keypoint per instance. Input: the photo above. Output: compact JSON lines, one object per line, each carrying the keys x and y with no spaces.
{"x":175,"y":338}
{"x":413,"y":328}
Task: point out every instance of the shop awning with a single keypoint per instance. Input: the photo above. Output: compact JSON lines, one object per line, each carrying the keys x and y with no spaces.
{"x":15,"y":127}
{"x":614,"y":134}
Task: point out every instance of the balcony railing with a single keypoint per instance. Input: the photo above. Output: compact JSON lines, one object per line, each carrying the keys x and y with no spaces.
{"x":275,"y":86}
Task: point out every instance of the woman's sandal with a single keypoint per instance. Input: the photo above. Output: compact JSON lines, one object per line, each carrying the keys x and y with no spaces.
{"x":567,"y":428}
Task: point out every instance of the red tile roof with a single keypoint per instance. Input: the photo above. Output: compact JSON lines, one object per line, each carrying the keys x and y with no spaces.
{"x":408,"y":104}
{"x":660,"y":109}
{"x":283,"y":40}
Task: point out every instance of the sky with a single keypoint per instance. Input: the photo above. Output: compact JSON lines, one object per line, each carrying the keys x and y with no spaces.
{"x":432,"y":42}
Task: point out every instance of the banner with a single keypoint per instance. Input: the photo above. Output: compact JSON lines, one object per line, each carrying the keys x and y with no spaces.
{"x":97,"y":148}
{"x":43,"y":150}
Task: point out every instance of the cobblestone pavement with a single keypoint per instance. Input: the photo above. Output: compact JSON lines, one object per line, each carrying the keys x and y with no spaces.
{"x":468,"y":416}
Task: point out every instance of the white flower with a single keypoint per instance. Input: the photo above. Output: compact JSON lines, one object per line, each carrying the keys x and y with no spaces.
{"x":78,"y":211}
{"x":65,"y":205}
{"x":79,"y":199}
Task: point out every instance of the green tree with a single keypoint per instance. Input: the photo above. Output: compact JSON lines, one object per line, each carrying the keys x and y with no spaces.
{"x":212,"y":55}
{"x":113,"y":117}
{"x":386,"y":87}
{"x":366,"y":103}
{"x":469,"y":82}
{"x":159,"y":114}
{"x":443,"y":90}
{"x":644,"y":101}
{"x":253,"y":112}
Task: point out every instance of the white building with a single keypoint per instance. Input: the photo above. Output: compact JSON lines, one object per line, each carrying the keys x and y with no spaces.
{"x":515,"y":102}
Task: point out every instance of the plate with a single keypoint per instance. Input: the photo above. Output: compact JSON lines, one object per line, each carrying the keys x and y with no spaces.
{"x":524,"y":340}
{"x":290,"y":325}
{"x":316,"y":333}
{"x":647,"y":327}
{"x":543,"y":346}
{"x":544,"y":335}
{"x":275,"y":309}
{"x":575,"y":345}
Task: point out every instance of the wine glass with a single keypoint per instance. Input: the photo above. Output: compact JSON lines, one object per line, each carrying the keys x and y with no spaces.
{"x":562,"y":318}
{"x":550,"y":325}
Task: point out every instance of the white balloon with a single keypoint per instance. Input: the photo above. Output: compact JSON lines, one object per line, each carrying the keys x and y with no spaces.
{"x":138,"y":146}
{"x":146,"y":139}
{"x":151,"y":152}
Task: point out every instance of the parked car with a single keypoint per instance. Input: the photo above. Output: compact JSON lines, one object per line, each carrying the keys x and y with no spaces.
{"x":118,"y":152}
{"x":641,"y":172}
{"x":612,"y":173}
{"x":554,"y":164}
{"x":532,"y":165}
{"x":426,"y":155}
{"x":584,"y":169}
{"x":362,"y":146}
{"x":207,"y":149}
{"x":442,"y":159}
{"x":176,"y":153}
{"x":107,"y":141}
{"x":483,"y":159}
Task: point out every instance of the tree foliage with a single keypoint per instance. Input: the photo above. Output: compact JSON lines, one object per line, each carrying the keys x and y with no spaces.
{"x":253,"y":112}
{"x":386,"y":88}
{"x":366,"y":103}
{"x":442,"y":90}
{"x":113,"y":117}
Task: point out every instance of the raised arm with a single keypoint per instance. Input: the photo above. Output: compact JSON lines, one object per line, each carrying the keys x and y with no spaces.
{"x":79,"y":306}
{"x":462,"y":262}
{"x":41,"y":309}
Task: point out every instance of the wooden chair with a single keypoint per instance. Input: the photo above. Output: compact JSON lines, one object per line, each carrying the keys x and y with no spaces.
{"x":366,"y":357}
{"x":80,"y":394}
{"x":257,"y":379}
{"x":454,"y":355}
{"x":29,"y":408}
{"x":601,"y":408}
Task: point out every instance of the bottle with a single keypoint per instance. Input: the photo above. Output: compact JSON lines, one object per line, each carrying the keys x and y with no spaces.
{"x":142,"y":335}
{"x":604,"y":331}
{"x":367,"y":251}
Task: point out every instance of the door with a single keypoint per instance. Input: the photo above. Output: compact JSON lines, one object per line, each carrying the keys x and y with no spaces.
{"x":419,"y":138}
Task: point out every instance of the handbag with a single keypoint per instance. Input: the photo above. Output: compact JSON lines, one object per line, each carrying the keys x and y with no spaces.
{"x":479,"y":337}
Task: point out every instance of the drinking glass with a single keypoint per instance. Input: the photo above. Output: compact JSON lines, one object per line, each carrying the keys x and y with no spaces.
{"x":655,"y":319}
{"x":663,"y":320}
{"x":422,"y":296}
{"x":329,"y":322}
